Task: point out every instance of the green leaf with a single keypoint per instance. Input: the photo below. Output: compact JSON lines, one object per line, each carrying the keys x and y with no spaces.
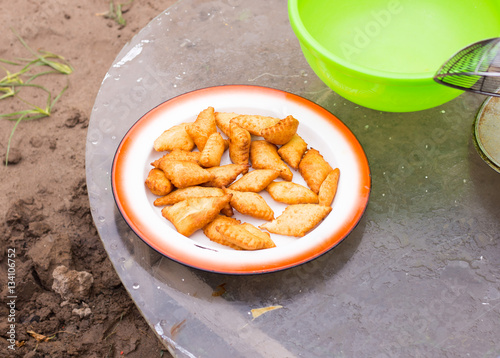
{"x":10,"y":139}
{"x":12,"y":83}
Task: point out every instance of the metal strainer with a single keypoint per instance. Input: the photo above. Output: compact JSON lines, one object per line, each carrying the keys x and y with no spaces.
{"x":476,"y":68}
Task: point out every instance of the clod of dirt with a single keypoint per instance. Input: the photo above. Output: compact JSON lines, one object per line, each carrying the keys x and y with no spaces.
{"x":32,"y":354}
{"x":24,"y":211}
{"x":70,"y":284}
{"x":27,"y":285}
{"x":82,"y":312}
{"x":36,"y":141}
{"x":76,"y":118}
{"x":48,"y":253}
{"x":129,"y":345}
{"x":15,"y":156}
{"x":38,"y":228}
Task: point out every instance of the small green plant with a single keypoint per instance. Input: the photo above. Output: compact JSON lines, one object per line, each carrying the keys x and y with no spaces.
{"x":34,"y":112}
{"x":116,"y":12}
{"x":12,"y":84}
{"x":44,"y":58}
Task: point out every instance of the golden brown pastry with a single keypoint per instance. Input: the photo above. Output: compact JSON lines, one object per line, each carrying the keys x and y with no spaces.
{"x":282,"y":132}
{"x":212,"y":152}
{"x":237,"y":235}
{"x":193,"y":214}
{"x":224,"y":175}
{"x":239,"y":144}
{"x":264,"y":155}
{"x":254,"y":124}
{"x":255,"y":181}
{"x":183,"y":173}
{"x":297,"y":220}
{"x":252,"y":204}
{"x":314,"y":169}
{"x":174,"y":137}
{"x":202,"y":128}
{"x":211,"y":232}
{"x":158,"y":183}
{"x":291,"y":193}
{"x":328,"y":188}
{"x":293,"y":151}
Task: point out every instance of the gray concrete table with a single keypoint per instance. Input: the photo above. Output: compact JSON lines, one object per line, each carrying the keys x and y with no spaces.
{"x":418,"y":277}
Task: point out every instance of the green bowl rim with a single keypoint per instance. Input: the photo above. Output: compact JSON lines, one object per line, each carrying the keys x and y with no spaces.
{"x":305,"y":37}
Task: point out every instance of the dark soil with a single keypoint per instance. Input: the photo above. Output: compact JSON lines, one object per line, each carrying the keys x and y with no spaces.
{"x":68,"y":300}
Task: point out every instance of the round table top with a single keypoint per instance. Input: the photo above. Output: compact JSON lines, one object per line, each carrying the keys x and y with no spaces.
{"x":418,"y":276}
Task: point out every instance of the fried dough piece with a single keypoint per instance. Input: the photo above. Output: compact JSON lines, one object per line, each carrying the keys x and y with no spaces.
{"x":254,"y":124}
{"x":193,"y":214}
{"x":224,"y":175}
{"x":281,"y":132}
{"x":239,"y":144}
{"x":178,"y":154}
{"x":264,"y":236}
{"x":183,"y":173}
{"x":175,"y":137}
{"x":213,"y":151}
{"x":227,"y":210}
{"x":158,"y":183}
{"x":328,"y":188}
{"x":255,"y":181}
{"x":251,"y":204}
{"x":193,"y":192}
{"x":155,"y":163}
{"x":314,"y":169}
{"x":238,"y":236}
{"x":264,"y":155}
{"x":188,"y":193}
{"x":207,"y":116}
{"x":297,"y":220}
{"x":199,"y":134}
{"x":291,"y":193}
{"x":211,"y":232}
{"x":293,"y":151}
{"x":202,"y":128}
{"x":222,"y":120}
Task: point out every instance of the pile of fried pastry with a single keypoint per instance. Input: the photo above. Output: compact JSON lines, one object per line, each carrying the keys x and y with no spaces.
{"x":197,"y":192}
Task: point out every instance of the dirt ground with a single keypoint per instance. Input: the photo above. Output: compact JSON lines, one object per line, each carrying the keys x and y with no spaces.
{"x":59,"y":292}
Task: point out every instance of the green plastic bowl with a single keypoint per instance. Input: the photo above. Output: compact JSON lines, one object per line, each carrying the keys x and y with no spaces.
{"x":383,"y":54}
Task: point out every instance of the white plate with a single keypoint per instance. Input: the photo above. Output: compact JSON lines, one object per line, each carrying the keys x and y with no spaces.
{"x":318,"y":127}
